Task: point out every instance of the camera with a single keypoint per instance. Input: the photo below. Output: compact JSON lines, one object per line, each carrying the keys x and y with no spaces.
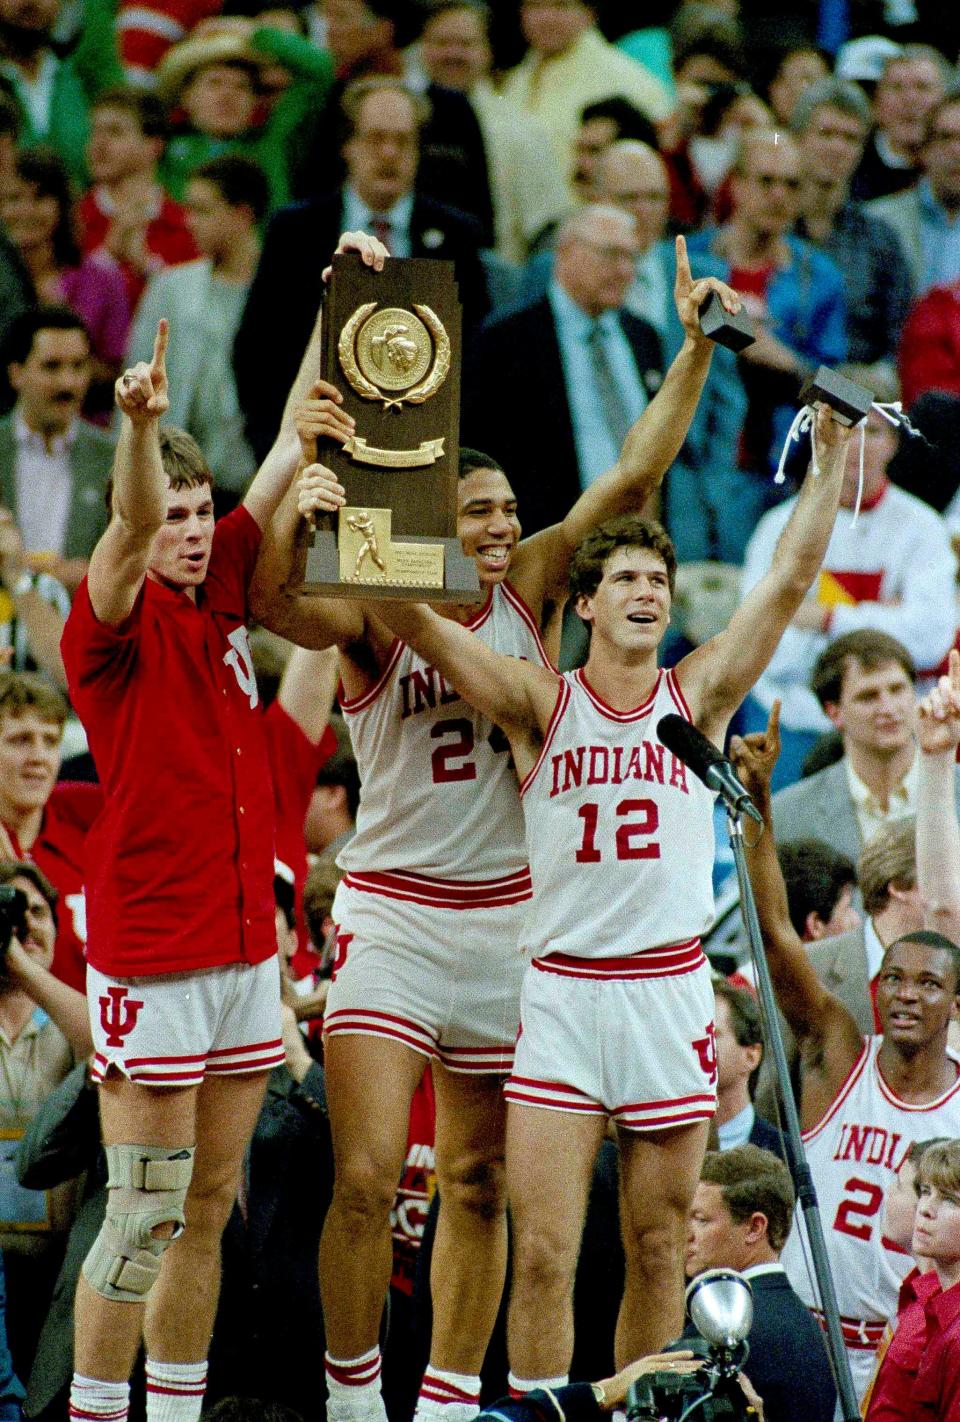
{"x":720,"y":1306}
{"x":711,"y":1394}
{"x":13,"y":916}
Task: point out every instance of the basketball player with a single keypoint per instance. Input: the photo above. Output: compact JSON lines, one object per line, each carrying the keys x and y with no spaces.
{"x":863,"y":1102}
{"x":182,"y":976}
{"x":430,"y":909}
{"x":617,"y":1005}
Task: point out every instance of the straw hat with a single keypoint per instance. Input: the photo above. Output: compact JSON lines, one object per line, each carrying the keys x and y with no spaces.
{"x":182,"y":61}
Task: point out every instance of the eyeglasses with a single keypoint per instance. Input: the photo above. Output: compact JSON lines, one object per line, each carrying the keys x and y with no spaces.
{"x":774,"y":180}
{"x":608,"y":252}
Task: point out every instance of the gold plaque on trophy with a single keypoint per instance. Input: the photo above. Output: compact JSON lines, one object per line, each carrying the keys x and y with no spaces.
{"x":391,"y":345}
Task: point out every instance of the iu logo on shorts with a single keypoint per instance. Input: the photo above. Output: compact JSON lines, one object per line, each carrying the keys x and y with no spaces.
{"x":118,"y":1014}
{"x":706,"y":1050}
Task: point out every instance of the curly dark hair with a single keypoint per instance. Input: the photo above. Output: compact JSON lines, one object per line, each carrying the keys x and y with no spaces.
{"x":627,"y":531}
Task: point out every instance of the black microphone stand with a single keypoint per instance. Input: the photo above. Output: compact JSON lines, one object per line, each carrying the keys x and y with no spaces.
{"x":799,"y":1169}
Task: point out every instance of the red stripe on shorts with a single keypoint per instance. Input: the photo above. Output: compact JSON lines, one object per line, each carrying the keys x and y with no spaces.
{"x":672,"y":961}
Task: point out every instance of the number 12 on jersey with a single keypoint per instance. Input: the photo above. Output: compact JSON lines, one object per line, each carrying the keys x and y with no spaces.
{"x":632,"y":839}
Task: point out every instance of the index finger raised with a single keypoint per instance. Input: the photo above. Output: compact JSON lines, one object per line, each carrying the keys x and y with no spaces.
{"x":159,"y":361}
{"x":773,"y":721}
{"x":953,"y":669}
{"x":684,"y":276}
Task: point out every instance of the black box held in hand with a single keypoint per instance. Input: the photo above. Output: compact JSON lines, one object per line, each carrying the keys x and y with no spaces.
{"x":848,"y":400}
{"x":735,"y":332}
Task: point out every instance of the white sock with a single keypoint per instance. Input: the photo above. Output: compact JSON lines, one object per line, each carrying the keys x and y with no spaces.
{"x":104,"y":1401}
{"x":447,"y":1397}
{"x":353,"y":1388}
{"x":519,"y":1386}
{"x":175,"y":1391}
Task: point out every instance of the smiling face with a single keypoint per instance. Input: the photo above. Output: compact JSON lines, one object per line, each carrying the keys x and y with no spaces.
{"x":181,"y":548}
{"x":877,"y":707}
{"x":29,"y":762}
{"x":487,"y":523}
{"x":630,"y":609}
{"x":916,"y":996}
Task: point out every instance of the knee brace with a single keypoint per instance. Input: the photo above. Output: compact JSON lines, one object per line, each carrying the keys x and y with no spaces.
{"x":147,"y":1186}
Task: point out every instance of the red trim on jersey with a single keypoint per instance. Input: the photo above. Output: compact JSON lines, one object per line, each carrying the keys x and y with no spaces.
{"x":638,"y":712}
{"x":852,"y":1077}
{"x":560,"y":705}
{"x":666,"y":962}
{"x":673,"y":686}
{"x":479,"y":618}
{"x":858,"y":1333}
{"x":360,"y":703}
{"x":444,"y":893}
{"x":369,"y":1023}
{"x":520,"y":607}
{"x":887,"y":1091}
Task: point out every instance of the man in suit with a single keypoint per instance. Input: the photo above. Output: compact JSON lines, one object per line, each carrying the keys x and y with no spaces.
{"x":924,"y":217}
{"x":740,"y":1219}
{"x":847,"y":965}
{"x":53,"y":467}
{"x":739,"y":1032}
{"x":551,"y":390}
{"x":379,"y":196}
{"x":864,"y":681}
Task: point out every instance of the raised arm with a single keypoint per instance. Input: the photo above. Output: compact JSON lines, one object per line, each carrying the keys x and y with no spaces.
{"x":827,"y":1034}
{"x":118,"y":565}
{"x":652,"y":443}
{"x":307,"y":689}
{"x":518,"y":695}
{"x":938,"y":831}
{"x":717,"y":676}
{"x":277,"y":472}
{"x":275,"y":601}
{"x":64,"y":1005}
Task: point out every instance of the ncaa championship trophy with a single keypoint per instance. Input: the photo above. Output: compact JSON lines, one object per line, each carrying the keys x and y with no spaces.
{"x":391,"y":345}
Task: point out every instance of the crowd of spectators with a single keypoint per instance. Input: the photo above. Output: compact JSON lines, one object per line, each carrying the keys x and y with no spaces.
{"x":194,"y":160}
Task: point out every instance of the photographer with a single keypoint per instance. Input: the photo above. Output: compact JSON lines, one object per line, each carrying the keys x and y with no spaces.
{"x":589,"y":1402}
{"x":740,"y":1219}
{"x":43,"y":1031}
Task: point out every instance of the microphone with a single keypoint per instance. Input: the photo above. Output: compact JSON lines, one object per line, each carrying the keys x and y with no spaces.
{"x":707,"y":763}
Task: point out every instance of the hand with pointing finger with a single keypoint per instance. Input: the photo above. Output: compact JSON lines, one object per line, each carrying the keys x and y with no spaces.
{"x":142,"y":393}
{"x":938,"y":715}
{"x":755,"y":756}
{"x":690,"y":295}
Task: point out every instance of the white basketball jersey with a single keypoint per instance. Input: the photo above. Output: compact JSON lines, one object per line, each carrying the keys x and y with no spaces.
{"x":619,"y":832}
{"x":438,"y":787}
{"x":854,"y":1152}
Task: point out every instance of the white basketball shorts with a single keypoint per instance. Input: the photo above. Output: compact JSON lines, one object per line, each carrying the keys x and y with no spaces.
{"x":629,"y":1038}
{"x":176,"y":1028}
{"x":444,"y":981}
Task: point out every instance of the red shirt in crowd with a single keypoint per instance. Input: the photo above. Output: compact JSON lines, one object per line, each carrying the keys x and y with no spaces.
{"x":295,"y":761}
{"x":180,"y":860}
{"x":929,"y":356}
{"x":168,"y":237}
{"x":891,"y":1393}
{"x":60,"y":851}
{"x":936,"y":1391}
